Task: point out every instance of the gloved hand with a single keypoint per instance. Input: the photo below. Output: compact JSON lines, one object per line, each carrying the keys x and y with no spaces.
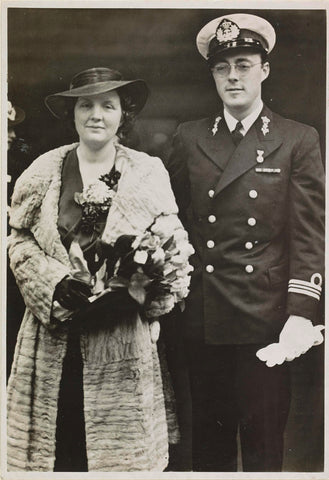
{"x":72,"y":294}
{"x":109,"y":308}
{"x":297,"y":337}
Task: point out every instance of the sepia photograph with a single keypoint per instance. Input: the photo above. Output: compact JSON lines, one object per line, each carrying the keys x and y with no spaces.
{"x":163,"y":240}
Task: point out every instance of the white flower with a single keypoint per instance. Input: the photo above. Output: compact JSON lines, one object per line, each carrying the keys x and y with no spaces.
{"x":180,"y":234}
{"x":158,"y":256}
{"x":11,"y":112}
{"x":150,"y":241}
{"x":160,"y":306}
{"x":186,"y":249}
{"x":177,"y":260}
{"x":168,"y":268}
{"x":182,"y":272}
{"x":97,"y":192}
{"x":180,"y":284}
{"x":140,"y":257}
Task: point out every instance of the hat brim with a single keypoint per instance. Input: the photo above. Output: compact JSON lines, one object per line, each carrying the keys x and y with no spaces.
{"x":19,"y":118}
{"x":58,"y":103}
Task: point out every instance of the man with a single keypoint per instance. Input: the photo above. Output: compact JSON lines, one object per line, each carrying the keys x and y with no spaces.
{"x":250,"y":189}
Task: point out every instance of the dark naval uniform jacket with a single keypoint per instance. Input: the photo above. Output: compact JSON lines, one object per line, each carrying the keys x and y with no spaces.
{"x":255,"y":216}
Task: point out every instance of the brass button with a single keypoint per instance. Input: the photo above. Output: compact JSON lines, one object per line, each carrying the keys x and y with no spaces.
{"x":212,"y":219}
{"x":253,"y":194}
{"x":248,"y":245}
{"x":252,"y":221}
{"x":210,"y":244}
{"x":211,"y":193}
{"x":210,"y":268}
{"x":249,"y":268}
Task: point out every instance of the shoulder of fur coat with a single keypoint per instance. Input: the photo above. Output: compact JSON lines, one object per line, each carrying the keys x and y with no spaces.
{"x":149,"y":174}
{"x":33,"y":184}
{"x":144,"y":193}
{"x":144,"y":182}
{"x":148,"y":167}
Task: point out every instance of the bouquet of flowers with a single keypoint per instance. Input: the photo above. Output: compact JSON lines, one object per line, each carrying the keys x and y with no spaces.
{"x":151,"y":268}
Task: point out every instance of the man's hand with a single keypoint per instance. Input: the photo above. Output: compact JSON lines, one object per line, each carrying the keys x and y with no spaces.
{"x":297,"y":337}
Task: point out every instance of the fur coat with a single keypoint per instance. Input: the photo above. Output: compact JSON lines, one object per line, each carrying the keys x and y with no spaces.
{"x":125,"y":415}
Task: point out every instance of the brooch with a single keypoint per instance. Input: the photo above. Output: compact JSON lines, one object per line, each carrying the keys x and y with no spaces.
{"x":215,"y":127}
{"x":265,"y":128}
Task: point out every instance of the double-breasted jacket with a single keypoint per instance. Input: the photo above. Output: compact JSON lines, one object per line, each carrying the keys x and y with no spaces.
{"x":255,"y":215}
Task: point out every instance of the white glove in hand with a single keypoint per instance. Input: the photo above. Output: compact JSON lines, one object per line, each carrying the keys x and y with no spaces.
{"x":154,"y":331}
{"x":297,"y":337}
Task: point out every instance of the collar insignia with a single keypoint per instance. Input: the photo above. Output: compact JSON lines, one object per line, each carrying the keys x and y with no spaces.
{"x":215,"y":127}
{"x":227,"y":31}
{"x":266,"y":122}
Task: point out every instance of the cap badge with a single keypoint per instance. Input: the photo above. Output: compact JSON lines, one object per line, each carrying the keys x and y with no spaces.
{"x":215,"y":127}
{"x":227,"y":31}
{"x":265,"y":128}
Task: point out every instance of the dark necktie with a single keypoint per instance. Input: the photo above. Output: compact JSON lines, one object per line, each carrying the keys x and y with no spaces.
{"x":236,"y":133}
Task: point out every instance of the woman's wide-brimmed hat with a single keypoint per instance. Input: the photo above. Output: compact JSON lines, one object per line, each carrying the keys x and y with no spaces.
{"x":15,"y":115}
{"x":92,"y":82}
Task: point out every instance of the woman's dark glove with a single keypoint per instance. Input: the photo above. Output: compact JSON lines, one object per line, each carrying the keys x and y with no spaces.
{"x":72,"y":294}
{"x":109,"y":308}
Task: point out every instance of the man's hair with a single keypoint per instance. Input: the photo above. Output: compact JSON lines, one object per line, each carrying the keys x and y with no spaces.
{"x":217,"y":58}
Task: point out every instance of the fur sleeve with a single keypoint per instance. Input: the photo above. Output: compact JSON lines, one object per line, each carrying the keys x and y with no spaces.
{"x":36,"y":273}
{"x":32,"y":186}
{"x":37,"y":269}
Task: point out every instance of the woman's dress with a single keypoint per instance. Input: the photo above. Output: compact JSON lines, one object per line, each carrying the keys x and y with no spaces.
{"x":71,"y":453}
{"x":70,"y":429}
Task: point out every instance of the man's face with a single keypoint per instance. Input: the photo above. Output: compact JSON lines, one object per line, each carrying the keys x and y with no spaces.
{"x":240,"y":88}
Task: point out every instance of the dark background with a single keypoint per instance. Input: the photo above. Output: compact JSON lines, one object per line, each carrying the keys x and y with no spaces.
{"x":46,"y":47}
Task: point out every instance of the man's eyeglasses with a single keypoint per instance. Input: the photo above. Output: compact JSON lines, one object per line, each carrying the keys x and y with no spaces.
{"x":224,"y":69}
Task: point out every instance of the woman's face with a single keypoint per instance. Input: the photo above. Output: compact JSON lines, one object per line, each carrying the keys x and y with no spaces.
{"x":97,"y":118}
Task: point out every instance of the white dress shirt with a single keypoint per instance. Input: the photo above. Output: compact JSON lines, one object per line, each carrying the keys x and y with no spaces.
{"x":246,"y":122}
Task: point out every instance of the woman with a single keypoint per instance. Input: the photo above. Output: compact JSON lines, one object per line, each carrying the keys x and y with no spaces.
{"x":85,"y":391}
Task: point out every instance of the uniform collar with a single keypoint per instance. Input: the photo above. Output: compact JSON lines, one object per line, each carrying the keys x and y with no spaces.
{"x":264,"y":137}
{"x":247,"y":122}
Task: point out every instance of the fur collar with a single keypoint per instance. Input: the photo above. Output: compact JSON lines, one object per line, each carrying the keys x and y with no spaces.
{"x":143,"y":194}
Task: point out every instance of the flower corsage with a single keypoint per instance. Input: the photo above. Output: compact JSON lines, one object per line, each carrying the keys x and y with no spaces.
{"x":96,"y":199}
